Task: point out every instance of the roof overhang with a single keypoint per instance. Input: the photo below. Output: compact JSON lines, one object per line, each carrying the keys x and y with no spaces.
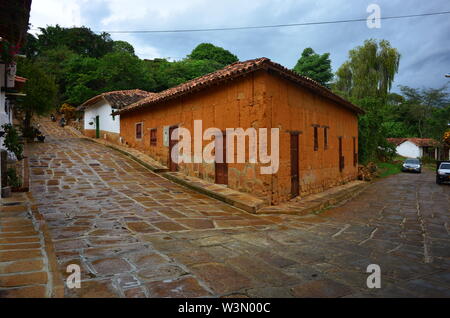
{"x":259,"y":64}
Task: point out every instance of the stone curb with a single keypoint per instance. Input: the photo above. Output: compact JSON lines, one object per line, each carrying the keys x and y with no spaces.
{"x":146,"y":165}
{"x":236,"y":203}
{"x":57,"y":283}
{"x":318,"y":205}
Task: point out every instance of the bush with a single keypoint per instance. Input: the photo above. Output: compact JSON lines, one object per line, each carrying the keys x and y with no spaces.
{"x":12,"y":141}
{"x":13,"y":179}
{"x":68,"y":111}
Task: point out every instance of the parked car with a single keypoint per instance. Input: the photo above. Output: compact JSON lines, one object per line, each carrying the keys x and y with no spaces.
{"x":412,"y":165}
{"x":443,"y":172}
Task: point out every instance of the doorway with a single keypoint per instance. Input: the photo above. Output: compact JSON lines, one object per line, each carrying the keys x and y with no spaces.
{"x":341,"y":157}
{"x":295,"y":178}
{"x":97,"y":126}
{"x":173,"y":166}
{"x":221,"y":168}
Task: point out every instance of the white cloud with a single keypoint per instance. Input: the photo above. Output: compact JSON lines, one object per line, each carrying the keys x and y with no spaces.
{"x":281,"y":45}
{"x":50,"y":12}
{"x":148,"y":11}
{"x":147,"y":52}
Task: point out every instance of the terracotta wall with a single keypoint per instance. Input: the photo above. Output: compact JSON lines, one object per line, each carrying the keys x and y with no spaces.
{"x":234,"y":104}
{"x":295,"y":108}
{"x":258,"y":100}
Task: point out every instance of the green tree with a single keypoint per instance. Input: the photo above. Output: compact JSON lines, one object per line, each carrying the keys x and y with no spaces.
{"x":121,"y":70}
{"x":80,"y":40}
{"x":366,"y":79}
{"x":370,"y":70}
{"x":82,"y":81}
{"x":40,"y":90}
{"x":208,"y":51}
{"x":315,"y":66}
{"x":54,"y":61}
{"x":123,"y":46}
{"x":185,"y":70}
{"x":426,"y":111}
{"x":167,"y":74}
{"x":88,"y":77}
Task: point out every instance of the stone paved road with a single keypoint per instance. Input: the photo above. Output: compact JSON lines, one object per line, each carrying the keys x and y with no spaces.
{"x":135,"y":234}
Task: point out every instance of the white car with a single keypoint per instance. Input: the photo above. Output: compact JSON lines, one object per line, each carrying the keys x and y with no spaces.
{"x":443,"y":172}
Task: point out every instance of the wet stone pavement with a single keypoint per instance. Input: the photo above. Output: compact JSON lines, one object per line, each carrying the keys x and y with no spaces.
{"x":136,"y":234}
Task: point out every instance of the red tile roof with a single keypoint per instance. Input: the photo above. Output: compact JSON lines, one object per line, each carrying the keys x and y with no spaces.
{"x":234,"y":71}
{"x":420,"y":142}
{"x":20,"y":79}
{"x":118,"y":99}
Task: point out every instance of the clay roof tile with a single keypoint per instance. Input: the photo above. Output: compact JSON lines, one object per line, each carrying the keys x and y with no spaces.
{"x":233,"y":71}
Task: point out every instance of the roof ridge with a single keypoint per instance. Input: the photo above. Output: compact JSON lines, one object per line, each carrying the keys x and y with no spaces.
{"x":235,"y":70}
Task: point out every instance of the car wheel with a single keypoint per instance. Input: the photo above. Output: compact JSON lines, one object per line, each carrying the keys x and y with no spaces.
{"x":438,"y":181}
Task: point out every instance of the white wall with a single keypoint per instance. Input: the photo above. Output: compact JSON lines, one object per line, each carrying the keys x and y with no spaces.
{"x":4,"y":117}
{"x":409,"y":150}
{"x":103,"y":110}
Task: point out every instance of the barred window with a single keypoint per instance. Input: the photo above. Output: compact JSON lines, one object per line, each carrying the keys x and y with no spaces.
{"x":139,"y":131}
{"x":153,"y":137}
{"x":316,"y":139}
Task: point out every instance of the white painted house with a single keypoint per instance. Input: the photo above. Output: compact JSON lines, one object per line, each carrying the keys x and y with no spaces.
{"x":98,"y":119}
{"x":416,"y":147}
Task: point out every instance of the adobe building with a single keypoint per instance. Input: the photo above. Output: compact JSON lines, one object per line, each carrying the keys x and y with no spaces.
{"x":98,"y":119}
{"x":318,"y":130}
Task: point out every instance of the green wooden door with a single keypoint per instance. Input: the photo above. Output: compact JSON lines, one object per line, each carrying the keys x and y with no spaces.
{"x":97,"y":127}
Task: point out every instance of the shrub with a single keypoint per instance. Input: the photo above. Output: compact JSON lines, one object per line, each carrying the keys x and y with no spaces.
{"x":12,"y":141}
{"x":13,"y":179}
{"x":68,"y":111}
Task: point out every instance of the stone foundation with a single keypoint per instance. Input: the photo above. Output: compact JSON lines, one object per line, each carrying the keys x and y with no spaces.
{"x":106,"y":135}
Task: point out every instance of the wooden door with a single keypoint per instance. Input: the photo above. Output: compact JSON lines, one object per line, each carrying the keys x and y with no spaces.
{"x":97,"y":126}
{"x":173,"y":166}
{"x":341,"y":156}
{"x":221,"y":168}
{"x":295,"y":178}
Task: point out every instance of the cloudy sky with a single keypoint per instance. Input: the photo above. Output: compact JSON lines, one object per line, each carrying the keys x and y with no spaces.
{"x":423,"y":42}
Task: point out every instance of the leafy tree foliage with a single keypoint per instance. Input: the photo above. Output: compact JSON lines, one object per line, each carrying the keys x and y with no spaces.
{"x":370,"y":70}
{"x":41,"y":93}
{"x":169,"y":74}
{"x":315,"y":66}
{"x":88,"y":77}
{"x":210,"y":52}
{"x":80,"y":40}
{"x":366,"y":79}
{"x":54,"y":62}
{"x":123,"y":46}
{"x":423,"y":113}
{"x":85,"y":64}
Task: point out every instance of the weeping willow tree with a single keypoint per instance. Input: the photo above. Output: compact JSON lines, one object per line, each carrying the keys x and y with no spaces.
{"x":366,"y":79}
{"x":370,"y":70}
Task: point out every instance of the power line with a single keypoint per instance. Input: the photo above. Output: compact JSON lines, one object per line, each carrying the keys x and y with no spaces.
{"x":276,"y":25}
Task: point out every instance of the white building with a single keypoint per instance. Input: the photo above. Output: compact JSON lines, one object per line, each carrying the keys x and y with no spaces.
{"x":416,"y":147}
{"x":7,"y":83}
{"x":98,"y":121}
{"x":14,"y":18}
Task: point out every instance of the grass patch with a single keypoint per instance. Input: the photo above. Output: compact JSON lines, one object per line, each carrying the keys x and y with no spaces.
{"x":388,"y":168}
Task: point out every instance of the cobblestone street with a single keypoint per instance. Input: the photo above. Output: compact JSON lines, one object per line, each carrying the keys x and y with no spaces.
{"x":136,"y":234}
